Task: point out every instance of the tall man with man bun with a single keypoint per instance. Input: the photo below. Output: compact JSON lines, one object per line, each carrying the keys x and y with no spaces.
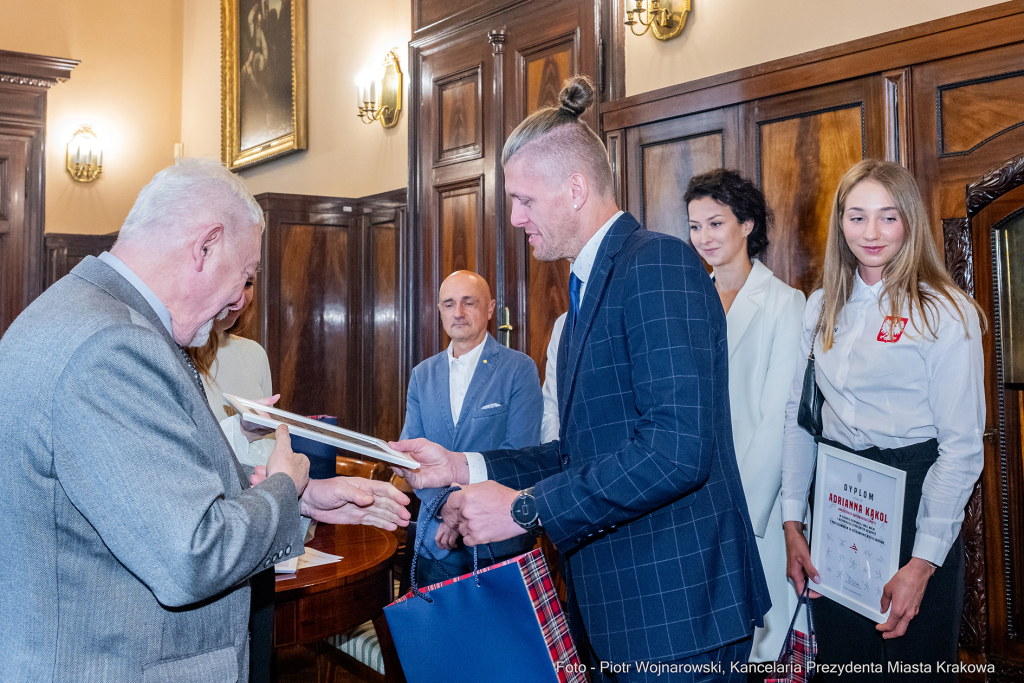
{"x":641,"y":494}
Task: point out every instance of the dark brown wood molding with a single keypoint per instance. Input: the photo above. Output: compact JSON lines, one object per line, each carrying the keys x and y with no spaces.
{"x":28,"y":69}
{"x":460,"y":21}
{"x":974,"y":621}
{"x":956,"y":234}
{"x":972,"y":31}
{"x":1005,"y":671}
{"x":995,"y":184}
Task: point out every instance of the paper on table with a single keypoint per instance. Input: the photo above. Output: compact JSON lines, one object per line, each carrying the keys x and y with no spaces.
{"x":310,"y":558}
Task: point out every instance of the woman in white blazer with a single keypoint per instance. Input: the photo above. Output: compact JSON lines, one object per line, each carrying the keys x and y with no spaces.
{"x":729,"y":220}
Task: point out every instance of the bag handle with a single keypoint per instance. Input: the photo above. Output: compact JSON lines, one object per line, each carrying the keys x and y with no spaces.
{"x":432,"y":508}
{"x":805,"y":601}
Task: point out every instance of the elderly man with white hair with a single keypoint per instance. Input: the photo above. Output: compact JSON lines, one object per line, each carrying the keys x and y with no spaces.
{"x":131,"y":530}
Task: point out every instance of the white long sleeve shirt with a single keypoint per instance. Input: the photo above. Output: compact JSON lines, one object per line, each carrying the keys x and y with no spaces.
{"x":550,"y":423}
{"x":889,"y":384}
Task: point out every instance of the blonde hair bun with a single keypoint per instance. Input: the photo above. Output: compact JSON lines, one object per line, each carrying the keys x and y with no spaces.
{"x":576,"y":96}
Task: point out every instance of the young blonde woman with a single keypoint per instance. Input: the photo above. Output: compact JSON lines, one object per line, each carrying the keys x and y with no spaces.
{"x":898,"y":358}
{"x":729,"y":221}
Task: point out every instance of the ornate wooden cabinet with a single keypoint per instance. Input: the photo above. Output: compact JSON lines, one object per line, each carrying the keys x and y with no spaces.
{"x":946,"y":99}
{"x":24,"y":82}
{"x":333,"y":301}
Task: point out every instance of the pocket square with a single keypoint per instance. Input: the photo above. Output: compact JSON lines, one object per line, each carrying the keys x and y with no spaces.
{"x":491,"y":405}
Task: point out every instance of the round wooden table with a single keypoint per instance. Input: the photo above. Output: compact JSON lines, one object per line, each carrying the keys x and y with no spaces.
{"x":318,"y":602}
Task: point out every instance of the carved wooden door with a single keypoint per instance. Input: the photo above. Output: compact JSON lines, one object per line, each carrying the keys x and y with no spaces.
{"x":455,"y":169}
{"x":540,"y":50}
{"x":14,"y":233}
{"x":475,"y":85}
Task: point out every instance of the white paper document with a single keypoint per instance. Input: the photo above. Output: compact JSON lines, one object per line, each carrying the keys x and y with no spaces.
{"x":856,"y":529}
{"x":272,"y":417}
{"x":310,"y":558}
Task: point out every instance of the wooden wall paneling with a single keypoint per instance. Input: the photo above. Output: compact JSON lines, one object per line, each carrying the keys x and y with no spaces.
{"x":998,"y":199}
{"x":65,"y":251}
{"x":433,"y":17}
{"x":662,"y":158}
{"x":899,"y":135}
{"x":14,"y":234}
{"x":804,"y":143}
{"x":615,"y":142}
{"x":502,"y":314}
{"x":967,"y":120}
{"x":462,"y":242}
{"x":385,"y":342}
{"x":961,"y":34}
{"x":24,"y":82}
{"x":613,"y":50}
{"x":308,"y":303}
{"x":545,"y":48}
{"x":453,"y":164}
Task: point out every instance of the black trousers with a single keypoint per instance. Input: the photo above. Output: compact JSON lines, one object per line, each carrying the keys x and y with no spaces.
{"x":261,"y":626}
{"x":932,"y":636}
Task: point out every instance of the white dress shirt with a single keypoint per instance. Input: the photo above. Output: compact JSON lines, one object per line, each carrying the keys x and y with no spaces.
{"x":550,"y":423}
{"x":584,"y":262}
{"x":892,"y":394}
{"x":460,"y":374}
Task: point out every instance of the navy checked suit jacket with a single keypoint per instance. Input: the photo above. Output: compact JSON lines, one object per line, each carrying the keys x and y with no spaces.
{"x":642,"y":493}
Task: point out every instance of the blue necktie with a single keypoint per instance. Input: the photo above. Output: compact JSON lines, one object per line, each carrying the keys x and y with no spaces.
{"x":575,"y":284}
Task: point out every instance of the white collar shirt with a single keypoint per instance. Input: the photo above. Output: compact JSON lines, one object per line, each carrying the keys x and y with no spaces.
{"x":889,"y":385}
{"x":584,"y":262}
{"x":460,"y":374}
{"x":136,"y":282}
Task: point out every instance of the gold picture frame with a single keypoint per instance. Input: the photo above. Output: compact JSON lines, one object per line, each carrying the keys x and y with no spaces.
{"x":263,"y":80}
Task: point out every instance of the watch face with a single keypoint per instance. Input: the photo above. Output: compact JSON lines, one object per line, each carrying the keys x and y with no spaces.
{"x":524,"y":510}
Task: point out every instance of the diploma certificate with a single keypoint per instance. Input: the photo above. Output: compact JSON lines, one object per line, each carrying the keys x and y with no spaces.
{"x":856,"y":529}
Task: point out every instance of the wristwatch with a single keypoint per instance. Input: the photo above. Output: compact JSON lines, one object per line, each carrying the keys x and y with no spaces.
{"x":524,"y":512}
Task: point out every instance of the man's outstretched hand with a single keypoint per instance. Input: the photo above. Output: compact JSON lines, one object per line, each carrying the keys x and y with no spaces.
{"x":350,"y":500}
{"x":439,"y":467}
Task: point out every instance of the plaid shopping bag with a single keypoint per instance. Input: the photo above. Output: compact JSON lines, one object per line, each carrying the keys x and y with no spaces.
{"x":800,"y":649}
{"x":500,"y":624}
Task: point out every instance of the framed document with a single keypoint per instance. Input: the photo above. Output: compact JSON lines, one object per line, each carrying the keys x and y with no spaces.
{"x":856,"y":529}
{"x":268,"y":416}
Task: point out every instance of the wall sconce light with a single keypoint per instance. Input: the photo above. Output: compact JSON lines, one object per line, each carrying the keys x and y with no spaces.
{"x":661,"y":21}
{"x":84,"y":155}
{"x":381,"y":100}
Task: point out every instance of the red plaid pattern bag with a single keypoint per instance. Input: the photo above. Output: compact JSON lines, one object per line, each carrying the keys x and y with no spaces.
{"x":471,"y":657}
{"x":796,"y":660}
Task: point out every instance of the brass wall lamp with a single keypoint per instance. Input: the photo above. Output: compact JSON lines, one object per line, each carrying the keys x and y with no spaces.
{"x":661,"y":21}
{"x":381,"y":100}
{"x":84,"y":158}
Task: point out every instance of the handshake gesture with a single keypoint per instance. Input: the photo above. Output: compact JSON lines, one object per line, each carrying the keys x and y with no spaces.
{"x":480,"y":513}
{"x":338,"y":500}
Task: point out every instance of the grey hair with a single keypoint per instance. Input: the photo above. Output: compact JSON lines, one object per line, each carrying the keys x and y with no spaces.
{"x":569,"y":145}
{"x":189,"y":192}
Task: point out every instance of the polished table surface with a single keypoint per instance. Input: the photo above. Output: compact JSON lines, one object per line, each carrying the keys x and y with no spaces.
{"x":318,"y":602}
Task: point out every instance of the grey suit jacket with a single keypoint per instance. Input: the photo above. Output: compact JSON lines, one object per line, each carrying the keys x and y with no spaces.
{"x":130,"y":531}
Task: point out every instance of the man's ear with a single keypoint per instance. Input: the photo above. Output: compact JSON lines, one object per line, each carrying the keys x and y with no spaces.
{"x":207,"y":239}
{"x":580,"y":188}
{"x":490,"y":309}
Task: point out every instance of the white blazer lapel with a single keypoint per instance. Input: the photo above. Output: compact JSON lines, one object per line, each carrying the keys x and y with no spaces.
{"x":749,"y":301}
